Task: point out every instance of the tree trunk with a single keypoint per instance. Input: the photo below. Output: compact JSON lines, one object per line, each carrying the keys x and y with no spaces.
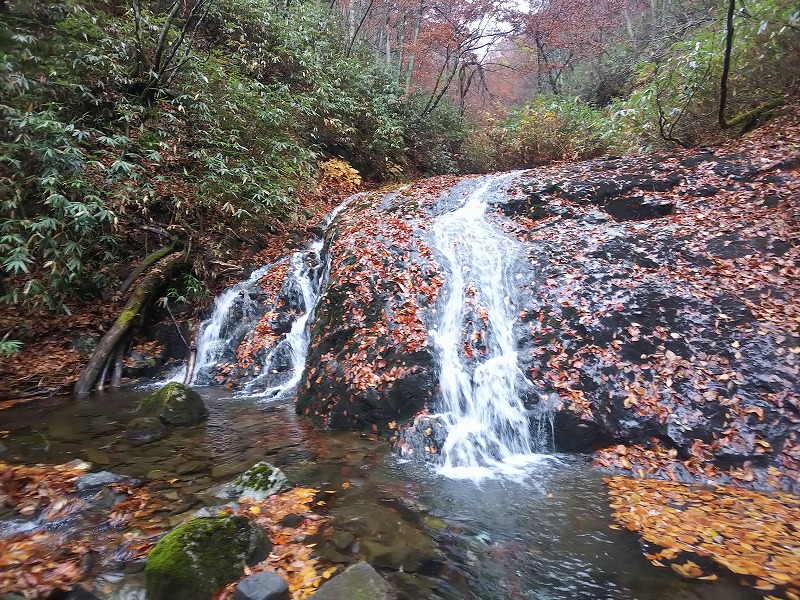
{"x":726,"y":64}
{"x":138,"y":298}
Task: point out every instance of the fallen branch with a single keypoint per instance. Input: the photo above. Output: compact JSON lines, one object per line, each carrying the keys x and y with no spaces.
{"x":138,"y":298}
{"x":150,"y":260}
{"x":192,"y":358}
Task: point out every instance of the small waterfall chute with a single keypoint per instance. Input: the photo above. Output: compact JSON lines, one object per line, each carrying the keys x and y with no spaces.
{"x":488,"y":428}
{"x":237,"y":310}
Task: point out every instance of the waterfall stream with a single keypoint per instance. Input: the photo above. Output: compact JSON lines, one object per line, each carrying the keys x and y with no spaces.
{"x":488,"y":427}
{"x":236,"y":312}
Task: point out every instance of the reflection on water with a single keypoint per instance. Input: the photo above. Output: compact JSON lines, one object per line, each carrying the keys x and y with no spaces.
{"x":546,"y":538}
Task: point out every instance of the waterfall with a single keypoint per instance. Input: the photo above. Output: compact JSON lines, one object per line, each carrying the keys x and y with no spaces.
{"x":236,"y":310}
{"x":481,"y":405}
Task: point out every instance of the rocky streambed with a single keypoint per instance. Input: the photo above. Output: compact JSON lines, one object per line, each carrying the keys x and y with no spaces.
{"x":429,"y":537}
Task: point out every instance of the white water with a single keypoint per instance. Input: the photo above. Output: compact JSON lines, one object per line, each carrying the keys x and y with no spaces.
{"x":298,"y":337}
{"x":488,"y":427}
{"x":236,"y":313}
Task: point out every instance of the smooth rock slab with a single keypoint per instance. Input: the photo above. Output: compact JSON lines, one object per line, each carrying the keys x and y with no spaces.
{"x":358,"y":582}
{"x":261,"y":586}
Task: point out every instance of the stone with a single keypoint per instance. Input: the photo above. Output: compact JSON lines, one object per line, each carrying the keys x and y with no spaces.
{"x":292,"y":520}
{"x":224,"y":470}
{"x":358,"y":582}
{"x":143,"y":430}
{"x":261,"y":586}
{"x":91,"y":483}
{"x":203,"y":555}
{"x":98,"y":457}
{"x":80,"y":593}
{"x":342,"y":539}
{"x":175,"y":404}
{"x":260,"y":481}
{"x":192,"y":466}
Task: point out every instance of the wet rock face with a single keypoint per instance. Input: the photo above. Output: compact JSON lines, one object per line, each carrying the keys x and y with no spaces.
{"x":669,"y":331}
{"x":369,"y":362}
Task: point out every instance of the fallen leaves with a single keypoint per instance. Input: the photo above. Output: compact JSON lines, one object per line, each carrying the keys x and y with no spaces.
{"x":291,"y":557}
{"x":40,"y":561}
{"x":751,"y":534}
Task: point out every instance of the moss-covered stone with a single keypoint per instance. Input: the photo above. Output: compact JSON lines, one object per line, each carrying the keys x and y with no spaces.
{"x":203,"y":555}
{"x":260,"y":481}
{"x":174,"y":404}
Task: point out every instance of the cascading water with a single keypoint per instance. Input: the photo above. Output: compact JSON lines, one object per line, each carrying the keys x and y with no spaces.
{"x":236,"y":311}
{"x":488,"y":426}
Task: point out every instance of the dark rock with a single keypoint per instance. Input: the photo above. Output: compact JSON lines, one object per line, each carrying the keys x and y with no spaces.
{"x":98,"y":457}
{"x":175,"y":404}
{"x":261,"y":586}
{"x":197,"y":558}
{"x":291,"y":520}
{"x":143,"y":430}
{"x":342,"y":539}
{"x":637,"y":208}
{"x":357,"y":582}
{"x":91,"y":483}
{"x":80,"y":593}
{"x":357,"y":322}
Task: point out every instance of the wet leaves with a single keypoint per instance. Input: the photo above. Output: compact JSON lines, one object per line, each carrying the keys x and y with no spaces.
{"x":674,"y":324}
{"x":38,"y":561}
{"x":291,"y":557}
{"x":698,"y":530}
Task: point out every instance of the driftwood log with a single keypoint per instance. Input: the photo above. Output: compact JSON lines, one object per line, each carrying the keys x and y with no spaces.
{"x":139,"y":297}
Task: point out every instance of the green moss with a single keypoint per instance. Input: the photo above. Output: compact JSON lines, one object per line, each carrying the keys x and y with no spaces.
{"x":175,"y":404}
{"x":260,"y":481}
{"x":199,"y":557}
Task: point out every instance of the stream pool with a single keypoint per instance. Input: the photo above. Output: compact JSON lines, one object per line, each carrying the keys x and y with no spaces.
{"x":544,"y":538}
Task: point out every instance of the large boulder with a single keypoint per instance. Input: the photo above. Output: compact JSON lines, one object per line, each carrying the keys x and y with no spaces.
{"x":174,"y":404}
{"x":666,"y":342}
{"x":358,"y":582}
{"x":369,"y":361}
{"x":203,"y":555}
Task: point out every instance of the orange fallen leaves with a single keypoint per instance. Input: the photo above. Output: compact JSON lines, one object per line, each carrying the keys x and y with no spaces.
{"x":748,"y":533}
{"x":291,"y":556}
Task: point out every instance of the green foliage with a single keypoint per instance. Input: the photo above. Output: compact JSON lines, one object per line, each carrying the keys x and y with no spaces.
{"x":675,"y":99}
{"x":9,"y":347}
{"x":546,"y":129}
{"x":96,"y":145}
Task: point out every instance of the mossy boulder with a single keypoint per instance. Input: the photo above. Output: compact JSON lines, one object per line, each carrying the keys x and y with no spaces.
{"x":203,"y":555}
{"x":260,"y":481}
{"x":174,"y":404}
